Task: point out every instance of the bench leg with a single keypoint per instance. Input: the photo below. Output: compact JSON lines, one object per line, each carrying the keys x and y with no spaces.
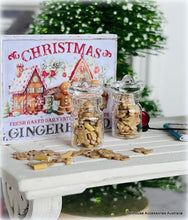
{"x":20,"y":208}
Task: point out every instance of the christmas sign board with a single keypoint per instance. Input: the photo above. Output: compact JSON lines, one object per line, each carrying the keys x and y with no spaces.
{"x":36,"y":72}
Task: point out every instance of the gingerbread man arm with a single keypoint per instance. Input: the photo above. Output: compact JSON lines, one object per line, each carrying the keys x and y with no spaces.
{"x":61,"y":109}
{"x":58,"y":96}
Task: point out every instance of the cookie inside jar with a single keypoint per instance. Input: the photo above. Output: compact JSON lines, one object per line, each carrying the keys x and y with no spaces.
{"x":127,"y":117}
{"x":127,"y":112}
{"x":87,"y":125}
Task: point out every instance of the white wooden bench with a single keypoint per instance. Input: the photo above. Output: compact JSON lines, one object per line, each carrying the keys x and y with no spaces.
{"x":38,"y":194}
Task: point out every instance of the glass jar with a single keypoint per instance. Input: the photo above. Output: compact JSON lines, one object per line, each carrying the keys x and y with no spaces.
{"x":87,"y":118}
{"x":126,"y":111}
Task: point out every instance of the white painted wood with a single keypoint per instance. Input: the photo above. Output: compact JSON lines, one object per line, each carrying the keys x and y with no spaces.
{"x":19,"y":207}
{"x":48,"y":208}
{"x":41,"y":187}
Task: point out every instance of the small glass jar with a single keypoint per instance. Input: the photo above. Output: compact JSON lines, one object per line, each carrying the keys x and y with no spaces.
{"x":126,"y":111}
{"x":87,"y":124}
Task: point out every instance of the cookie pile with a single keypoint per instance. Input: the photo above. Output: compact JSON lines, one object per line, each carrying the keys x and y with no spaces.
{"x":127,"y":118}
{"x":88,"y":128}
{"x":49,"y":157}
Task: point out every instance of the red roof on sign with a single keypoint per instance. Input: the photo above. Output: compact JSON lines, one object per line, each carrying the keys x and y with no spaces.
{"x":18,"y":85}
{"x":81,"y":67}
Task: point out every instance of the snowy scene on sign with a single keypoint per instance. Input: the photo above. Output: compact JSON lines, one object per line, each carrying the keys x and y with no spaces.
{"x":36,"y":73}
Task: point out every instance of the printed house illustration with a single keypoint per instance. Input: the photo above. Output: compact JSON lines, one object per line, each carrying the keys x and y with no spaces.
{"x":81,"y":70}
{"x":27,"y":91}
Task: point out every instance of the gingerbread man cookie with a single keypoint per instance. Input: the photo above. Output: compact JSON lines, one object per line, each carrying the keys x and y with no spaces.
{"x":81,"y":135}
{"x":64,"y":98}
{"x":31,"y":105}
{"x":143,"y":150}
{"x":21,"y":156}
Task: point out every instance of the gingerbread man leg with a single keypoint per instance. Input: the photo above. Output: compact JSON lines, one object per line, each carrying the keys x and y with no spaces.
{"x":61,"y":110}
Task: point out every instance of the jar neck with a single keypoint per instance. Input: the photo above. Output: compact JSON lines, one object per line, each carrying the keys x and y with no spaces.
{"x":90,"y":104}
{"x":127,"y":98}
{"x":137,"y":97}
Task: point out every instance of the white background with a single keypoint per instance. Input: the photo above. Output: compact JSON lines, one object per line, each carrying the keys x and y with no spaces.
{"x":166,"y":74}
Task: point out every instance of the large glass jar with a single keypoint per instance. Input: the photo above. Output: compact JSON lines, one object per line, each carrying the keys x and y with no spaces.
{"x":87,"y":124}
{"x":126,"y":111}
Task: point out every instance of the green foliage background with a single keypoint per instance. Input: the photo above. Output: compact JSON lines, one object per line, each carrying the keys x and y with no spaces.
{"x":115,"y":200}
{"x":137,"y":23}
